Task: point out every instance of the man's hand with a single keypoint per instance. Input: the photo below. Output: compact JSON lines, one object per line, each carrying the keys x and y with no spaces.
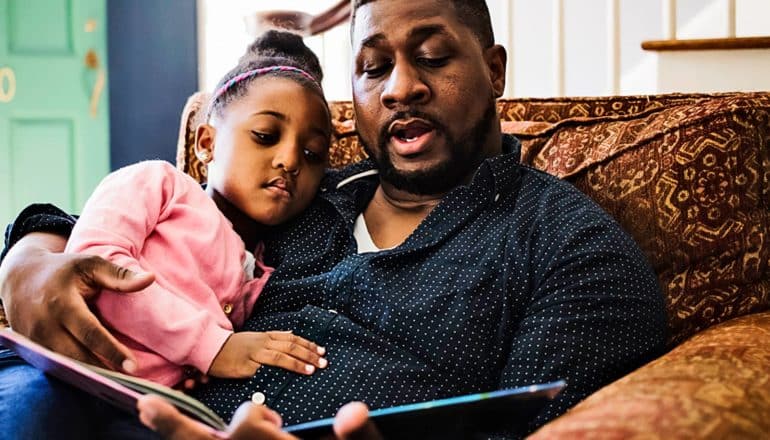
{"x":251,"y":421}
{"x":245,"y":352}
{"x":44,"y":293}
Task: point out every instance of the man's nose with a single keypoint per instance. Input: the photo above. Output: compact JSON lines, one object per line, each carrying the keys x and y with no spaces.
{"x":404,"y":86}
{"x":287,"y":157}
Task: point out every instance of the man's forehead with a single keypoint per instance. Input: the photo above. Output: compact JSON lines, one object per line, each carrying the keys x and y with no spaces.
{"x":382,"y":20}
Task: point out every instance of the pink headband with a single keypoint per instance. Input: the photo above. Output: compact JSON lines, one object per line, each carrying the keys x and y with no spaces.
{"x":262,"y":70}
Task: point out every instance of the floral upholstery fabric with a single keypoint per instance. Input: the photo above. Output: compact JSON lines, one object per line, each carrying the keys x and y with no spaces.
{"x":688,"y":180}
{"x":192,"y":115}
{"x":714,"y":386}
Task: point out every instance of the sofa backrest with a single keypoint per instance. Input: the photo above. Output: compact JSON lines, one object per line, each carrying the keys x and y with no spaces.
{"x":686,"y":175}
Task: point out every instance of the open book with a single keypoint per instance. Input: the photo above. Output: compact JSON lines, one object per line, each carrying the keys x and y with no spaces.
{"x":119,"y":389}
{"x":455,"y":417}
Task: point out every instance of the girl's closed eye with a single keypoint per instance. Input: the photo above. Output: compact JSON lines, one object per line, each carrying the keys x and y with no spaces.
{"x":264,"y":137}
{"x":313,"y":156}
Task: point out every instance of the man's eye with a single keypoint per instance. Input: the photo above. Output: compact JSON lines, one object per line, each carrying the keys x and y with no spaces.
{"x":376,"y":70}
{"x":264,"y":138}
{"x":433,"y":62}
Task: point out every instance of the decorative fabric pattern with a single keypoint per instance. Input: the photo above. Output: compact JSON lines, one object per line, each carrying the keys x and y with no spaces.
{"x":688,"y":179}
{"x":713,"y":386}
{"x":186,"y":160}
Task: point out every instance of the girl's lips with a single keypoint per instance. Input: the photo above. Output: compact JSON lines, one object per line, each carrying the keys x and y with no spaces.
{"x":278,"y":191}
{"x":279,"y":186}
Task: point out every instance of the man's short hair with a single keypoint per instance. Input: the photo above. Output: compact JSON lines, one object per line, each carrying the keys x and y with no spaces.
{"x":472,"y":13}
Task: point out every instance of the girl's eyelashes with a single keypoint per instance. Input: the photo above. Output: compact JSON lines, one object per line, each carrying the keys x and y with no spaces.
{"x":312,"y":156}
{"x":264,"y":138}
{"x":315,"y":155}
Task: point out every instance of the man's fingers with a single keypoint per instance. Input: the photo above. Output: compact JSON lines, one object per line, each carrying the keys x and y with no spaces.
{"x":352,"y":423}
{"x":89,"y":332}
{"x":163,"y":418}
{"x":282,"y":360}
{"x":252,"y":421}
{"x":68,"y":346}
{"x":297,"y":351}
{"x":99,"y":273}
{"x":291,"y":337}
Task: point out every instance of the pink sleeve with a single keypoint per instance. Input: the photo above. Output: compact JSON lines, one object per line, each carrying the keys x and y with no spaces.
{"x":115,"y":222}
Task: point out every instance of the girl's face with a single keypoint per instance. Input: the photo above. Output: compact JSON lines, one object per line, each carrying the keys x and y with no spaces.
{"x":268,"y":149}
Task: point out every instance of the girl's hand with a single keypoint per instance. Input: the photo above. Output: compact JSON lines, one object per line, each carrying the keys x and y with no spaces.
{"x":245,"y":352}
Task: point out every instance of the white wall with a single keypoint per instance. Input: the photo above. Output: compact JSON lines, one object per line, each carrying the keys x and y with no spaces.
{"x":524,"y":27}
{"x":223,"y":38}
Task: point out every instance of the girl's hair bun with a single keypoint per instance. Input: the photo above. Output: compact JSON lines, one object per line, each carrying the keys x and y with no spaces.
{"x":276,"y":47}
{"x":270,"y":49}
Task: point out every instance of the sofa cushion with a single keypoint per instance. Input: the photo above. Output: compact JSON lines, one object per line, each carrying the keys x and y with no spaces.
{"x":713,"y":386}
{"x":688,"y":179}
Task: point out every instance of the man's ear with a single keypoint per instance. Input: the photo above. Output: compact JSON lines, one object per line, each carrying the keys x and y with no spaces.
{"x":204,"y":142}
{"x":496,"y":57}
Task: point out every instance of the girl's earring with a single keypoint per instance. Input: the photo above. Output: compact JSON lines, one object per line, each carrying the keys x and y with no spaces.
{"x":204,"y":156}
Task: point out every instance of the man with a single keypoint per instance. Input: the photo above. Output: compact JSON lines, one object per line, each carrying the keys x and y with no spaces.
{"x":439,"y":267}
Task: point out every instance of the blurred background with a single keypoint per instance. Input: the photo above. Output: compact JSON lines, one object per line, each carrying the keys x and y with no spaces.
{"x":87,"y":86}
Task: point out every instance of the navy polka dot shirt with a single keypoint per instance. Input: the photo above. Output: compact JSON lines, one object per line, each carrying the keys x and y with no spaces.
{"x":512,"y":280}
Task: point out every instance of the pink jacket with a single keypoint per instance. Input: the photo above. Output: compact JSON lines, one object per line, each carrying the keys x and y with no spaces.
{"x":152,"y":217}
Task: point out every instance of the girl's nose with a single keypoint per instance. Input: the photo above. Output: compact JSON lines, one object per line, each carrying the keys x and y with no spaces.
{"x":287,"y":157}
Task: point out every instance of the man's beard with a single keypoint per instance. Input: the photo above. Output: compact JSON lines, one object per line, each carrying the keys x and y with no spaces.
{"x":463,"y":160}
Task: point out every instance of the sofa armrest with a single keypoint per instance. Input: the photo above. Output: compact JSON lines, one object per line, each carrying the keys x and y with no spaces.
{"x":714,"y":385}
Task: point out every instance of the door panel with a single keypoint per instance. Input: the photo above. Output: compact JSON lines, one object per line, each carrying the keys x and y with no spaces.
{"x":49,"y":33}
{"x":49,"y":147}
{"x":54,"y":133}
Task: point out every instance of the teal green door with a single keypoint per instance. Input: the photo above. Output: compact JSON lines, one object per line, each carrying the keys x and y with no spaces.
{"x":54,"y":122}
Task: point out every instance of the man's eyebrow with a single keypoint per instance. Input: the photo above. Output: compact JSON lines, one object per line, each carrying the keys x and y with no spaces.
{"x":420,"y":32}
{"x":373,"y":40}
{"x":423,"y":32}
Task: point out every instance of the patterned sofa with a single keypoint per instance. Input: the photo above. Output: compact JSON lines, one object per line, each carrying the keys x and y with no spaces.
{"x":688,"y":176}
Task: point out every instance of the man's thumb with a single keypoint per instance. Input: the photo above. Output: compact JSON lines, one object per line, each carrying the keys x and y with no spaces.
{"x":120,"y":279}
{"x":352,"y":423}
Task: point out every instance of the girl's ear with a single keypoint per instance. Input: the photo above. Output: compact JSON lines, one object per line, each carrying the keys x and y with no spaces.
{"x":204,"y":142}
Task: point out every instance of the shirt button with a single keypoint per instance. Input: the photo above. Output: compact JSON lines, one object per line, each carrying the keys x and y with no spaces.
{"x":258,"y":398}
{"x":227,"y":308}
{"x":497,"y":197}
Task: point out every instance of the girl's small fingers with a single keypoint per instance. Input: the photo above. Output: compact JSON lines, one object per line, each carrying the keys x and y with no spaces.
{"x":282,"y":360}
{"x":291,"y":337}
{"x":298,"y":352}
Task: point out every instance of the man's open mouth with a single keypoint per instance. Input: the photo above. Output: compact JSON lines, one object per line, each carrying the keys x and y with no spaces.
{"x":411,"y":137}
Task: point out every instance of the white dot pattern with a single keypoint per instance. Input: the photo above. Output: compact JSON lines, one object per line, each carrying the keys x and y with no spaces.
{"x":515,"y":279}
{"x":535,"y":286}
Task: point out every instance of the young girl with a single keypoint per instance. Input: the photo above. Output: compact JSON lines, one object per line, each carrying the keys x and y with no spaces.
{"x":266,"y":144}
